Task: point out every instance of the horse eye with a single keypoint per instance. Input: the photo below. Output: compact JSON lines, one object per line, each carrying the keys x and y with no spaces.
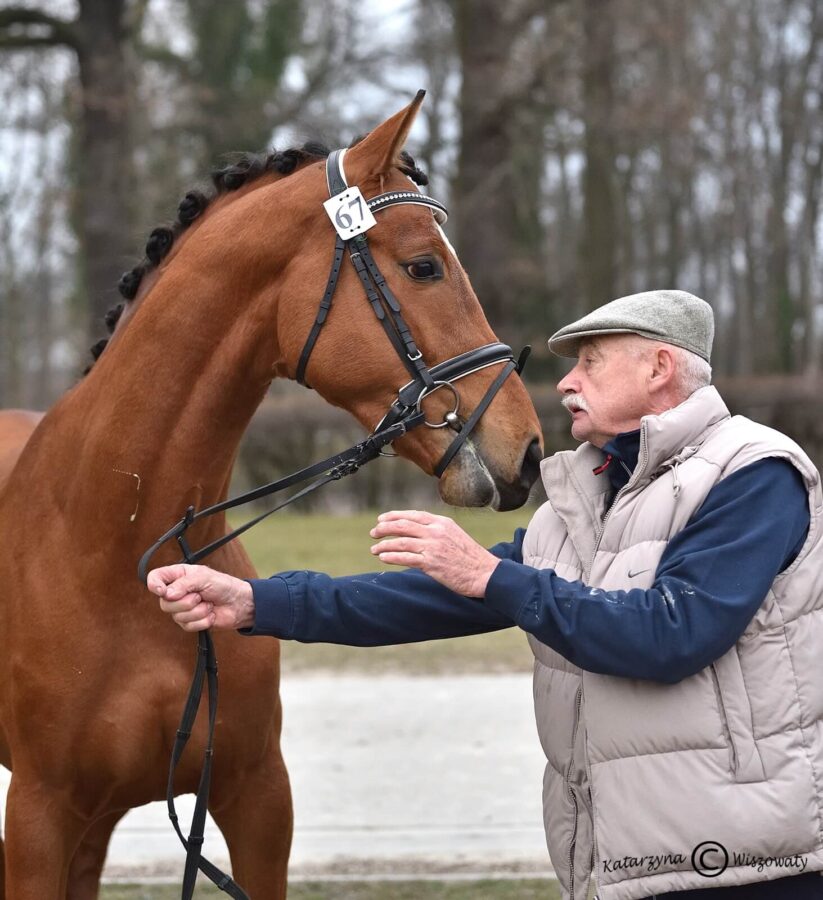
{"x":424,"y":269}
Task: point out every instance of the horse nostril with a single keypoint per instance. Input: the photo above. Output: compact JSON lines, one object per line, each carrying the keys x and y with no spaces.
{"x":531,"y":464}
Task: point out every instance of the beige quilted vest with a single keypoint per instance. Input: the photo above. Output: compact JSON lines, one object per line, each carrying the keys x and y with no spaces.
{"x":641,"y":773}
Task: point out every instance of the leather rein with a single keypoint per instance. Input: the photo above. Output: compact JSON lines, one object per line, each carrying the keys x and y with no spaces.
{"x":404,"y":414}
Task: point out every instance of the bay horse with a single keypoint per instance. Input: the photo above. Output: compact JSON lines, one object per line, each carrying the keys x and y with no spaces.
{"x":92,"y":675}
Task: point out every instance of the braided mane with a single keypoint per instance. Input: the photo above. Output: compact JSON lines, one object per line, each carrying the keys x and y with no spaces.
{"x":240,"y":170}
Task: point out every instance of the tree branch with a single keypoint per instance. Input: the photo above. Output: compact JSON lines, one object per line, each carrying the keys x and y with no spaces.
{"x":59,"y":31}
{"x":165,"y":57}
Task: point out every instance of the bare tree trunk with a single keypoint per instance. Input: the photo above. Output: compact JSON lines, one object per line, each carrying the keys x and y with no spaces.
{"x":104,"y":150}
{"x":809,"y":263}
{"x":627,"y":255}
{"x":99,"y":36}
{"x":792,"y":86}
{"x":598,"y":248}
{"x":499,"y":185}
{"x":12,"y":323}
{"x":566,"y":233}
{"x":745,"y":343}
{"x":483,"y":187}
{"x":434,"y":48}
{"x":40,"y":390}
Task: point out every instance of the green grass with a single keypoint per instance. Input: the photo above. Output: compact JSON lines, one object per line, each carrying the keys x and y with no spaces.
{"x":339,"y":545}
{"x":526,"y":889}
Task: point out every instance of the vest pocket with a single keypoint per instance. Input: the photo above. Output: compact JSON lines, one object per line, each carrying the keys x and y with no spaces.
{"x":736,"y":716}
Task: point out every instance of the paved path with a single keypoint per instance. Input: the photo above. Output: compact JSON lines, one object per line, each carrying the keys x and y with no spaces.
{"x":390,"y":774}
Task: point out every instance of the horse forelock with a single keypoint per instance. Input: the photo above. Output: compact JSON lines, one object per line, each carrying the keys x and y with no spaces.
{"x":240,"y":170}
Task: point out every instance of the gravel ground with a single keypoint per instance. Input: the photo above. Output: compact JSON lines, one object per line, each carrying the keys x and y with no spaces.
{"x":419,"y":775}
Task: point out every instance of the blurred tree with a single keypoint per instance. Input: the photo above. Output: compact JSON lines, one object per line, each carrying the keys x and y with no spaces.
{"x":246,"y":70}
{"x":794,"y":62}
{"x":433,"y":46}
{"x":12,"y":314}
{"x":598,"y":247}
{"x":99,"y":36}
{"x":592,"y":147}
{"x":222,"y":91}
{"x":498,"y":188}
{"x":228,"y":76}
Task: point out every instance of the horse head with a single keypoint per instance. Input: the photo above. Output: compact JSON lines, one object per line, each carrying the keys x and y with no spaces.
{"x":269,"y":245}
{"x":353,"y":364}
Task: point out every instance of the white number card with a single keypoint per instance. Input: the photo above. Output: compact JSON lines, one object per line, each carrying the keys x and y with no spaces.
{"x":349,"y":212}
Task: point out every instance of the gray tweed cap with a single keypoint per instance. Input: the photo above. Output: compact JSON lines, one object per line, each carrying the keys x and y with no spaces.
{"x":674,"y":317}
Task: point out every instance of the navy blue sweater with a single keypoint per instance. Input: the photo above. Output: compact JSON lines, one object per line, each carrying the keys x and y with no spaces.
{"x":709,"y":583}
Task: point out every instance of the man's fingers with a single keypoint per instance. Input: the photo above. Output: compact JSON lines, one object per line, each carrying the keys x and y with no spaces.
{"x":399,"y":545}
{"x":410,"y":560}
{"x":158,"y":579}
{"x":180,"y":589}
{"x":184,"y":604}
{"x":199,"y":625}
{"x":404,"y":527}
{"x":190,"y":583}
{"x":201,"y":611}
{"x":413,"y":515}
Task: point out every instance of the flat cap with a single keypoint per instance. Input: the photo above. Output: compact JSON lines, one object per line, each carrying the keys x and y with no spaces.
{"x":674,"y":317}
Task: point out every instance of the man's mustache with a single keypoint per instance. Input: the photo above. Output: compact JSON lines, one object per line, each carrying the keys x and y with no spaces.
{"x":575,"y":401}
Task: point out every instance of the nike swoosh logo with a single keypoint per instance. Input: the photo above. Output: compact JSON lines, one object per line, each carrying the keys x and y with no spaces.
{"x":633,"y":574}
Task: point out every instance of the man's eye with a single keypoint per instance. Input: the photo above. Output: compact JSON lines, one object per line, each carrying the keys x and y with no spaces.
{"x":423,"y":269}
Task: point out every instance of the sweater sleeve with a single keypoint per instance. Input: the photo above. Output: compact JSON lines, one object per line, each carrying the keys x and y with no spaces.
{"x":710,"y":581}
{"x":374,"y":609}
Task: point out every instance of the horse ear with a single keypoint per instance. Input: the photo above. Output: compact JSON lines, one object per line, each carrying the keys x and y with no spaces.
{"x":379,"y":150}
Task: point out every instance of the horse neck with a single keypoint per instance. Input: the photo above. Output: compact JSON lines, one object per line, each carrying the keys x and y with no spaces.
{"x":167,"y":403}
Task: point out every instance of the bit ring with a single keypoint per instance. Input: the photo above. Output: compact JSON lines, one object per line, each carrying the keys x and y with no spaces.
{"x":450,"y":418}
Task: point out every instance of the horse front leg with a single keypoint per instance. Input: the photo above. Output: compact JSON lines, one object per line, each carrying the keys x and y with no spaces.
{"x":254,"y":813}
{"x":42,"y":834}
{"x":87,"y":864}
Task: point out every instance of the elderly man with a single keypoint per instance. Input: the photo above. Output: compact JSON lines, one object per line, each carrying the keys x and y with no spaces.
{"x":672,"y":592}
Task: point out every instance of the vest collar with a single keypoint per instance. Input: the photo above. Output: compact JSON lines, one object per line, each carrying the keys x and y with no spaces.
{"x":580,"y":498}
{"x":669,"y":437}
{"x":677,"y":433}
{"x":621,"y":454}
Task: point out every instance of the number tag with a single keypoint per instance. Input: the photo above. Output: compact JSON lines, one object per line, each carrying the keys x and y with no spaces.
{"x":349,"y":212}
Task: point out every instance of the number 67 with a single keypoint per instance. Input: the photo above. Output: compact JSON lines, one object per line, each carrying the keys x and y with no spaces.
{"x":343,"y":219}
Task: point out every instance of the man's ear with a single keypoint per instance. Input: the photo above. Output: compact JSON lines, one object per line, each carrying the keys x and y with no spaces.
{"x":664,"y":367}
{"x":380,"y":149}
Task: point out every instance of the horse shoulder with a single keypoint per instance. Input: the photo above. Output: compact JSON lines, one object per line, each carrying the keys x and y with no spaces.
{"x":16,"y":427}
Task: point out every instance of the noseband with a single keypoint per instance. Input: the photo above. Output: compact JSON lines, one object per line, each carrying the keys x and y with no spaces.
{"x":404,"y":414}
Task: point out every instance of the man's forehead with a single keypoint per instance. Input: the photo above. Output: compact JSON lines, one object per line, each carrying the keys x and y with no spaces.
{"x":590,"y":345}
{"x":604,"y":343}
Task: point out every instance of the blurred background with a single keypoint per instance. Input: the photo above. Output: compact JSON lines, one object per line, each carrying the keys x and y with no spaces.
{"x":586,"y":148}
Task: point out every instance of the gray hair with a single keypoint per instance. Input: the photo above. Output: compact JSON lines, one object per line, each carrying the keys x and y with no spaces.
{"x":692,"y":371}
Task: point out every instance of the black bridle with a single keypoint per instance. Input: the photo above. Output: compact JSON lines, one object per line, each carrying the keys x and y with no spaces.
{"x":405,"y":413}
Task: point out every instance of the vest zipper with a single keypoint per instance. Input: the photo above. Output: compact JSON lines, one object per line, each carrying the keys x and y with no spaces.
{"x":641,"y":462}
{"x":578,"y":702}
{"x":594,"y":843}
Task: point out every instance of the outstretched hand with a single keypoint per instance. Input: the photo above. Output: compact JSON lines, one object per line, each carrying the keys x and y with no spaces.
{"x":436,"y":545}
{"x":198,"y":597}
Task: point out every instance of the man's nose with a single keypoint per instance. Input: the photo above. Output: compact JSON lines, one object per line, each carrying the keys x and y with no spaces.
{"x":569,"y":384}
